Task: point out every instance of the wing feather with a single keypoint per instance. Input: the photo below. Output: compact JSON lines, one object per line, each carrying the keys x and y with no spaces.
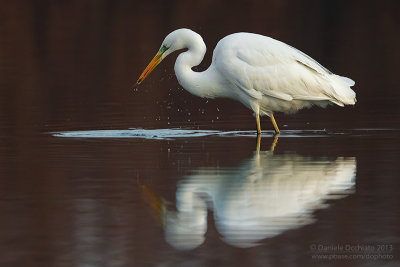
{"x":262,"y":66}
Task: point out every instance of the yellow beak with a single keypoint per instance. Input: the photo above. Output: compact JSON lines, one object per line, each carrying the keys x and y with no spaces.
{"x":154,"y":62}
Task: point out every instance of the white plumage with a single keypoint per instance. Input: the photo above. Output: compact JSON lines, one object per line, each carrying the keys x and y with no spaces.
{"x":264,"y":74}
{"x":262,"y":197}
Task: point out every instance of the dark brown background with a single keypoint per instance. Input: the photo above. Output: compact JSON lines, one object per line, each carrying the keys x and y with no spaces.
{"x":71,"y":64}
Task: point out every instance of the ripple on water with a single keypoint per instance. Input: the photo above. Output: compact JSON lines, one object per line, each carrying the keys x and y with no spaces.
{"x":174,"y":133}
{"x":161,"y":134}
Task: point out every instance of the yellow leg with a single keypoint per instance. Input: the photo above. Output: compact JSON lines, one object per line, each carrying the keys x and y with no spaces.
{"x":258,"y":143}
{"x":273,"y":145}
{"x":274,"y":142}
{"x":275,"y":125}
{"x":258,"y":123}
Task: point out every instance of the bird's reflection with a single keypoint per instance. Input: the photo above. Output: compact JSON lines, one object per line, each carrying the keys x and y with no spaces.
{"x":264,"y":196}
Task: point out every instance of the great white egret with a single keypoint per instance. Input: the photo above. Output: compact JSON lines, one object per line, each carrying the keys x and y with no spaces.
{"x":264,"y":74}
{"x":262,"y":197}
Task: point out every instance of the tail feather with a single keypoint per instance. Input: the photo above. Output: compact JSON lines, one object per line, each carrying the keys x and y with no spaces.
{"x":344,"y":95}
{"x":348,"y":81}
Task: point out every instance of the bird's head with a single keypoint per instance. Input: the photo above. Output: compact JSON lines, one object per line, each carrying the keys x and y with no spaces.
{"x":176,"y":40}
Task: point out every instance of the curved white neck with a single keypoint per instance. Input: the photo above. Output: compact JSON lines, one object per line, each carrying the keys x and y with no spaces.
{"x":197,"y":83}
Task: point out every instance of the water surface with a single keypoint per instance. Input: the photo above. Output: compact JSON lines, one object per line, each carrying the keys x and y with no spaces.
{"x":208,"y":198}
{"x":93,"y":173}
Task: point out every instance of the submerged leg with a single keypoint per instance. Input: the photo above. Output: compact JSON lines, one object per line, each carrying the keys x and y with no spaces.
{"x":273,"y":145}
{"x":258,"y":123}
{"x":274,"y":142}
{"x":258,"y":143}
{"x":274,"y":123}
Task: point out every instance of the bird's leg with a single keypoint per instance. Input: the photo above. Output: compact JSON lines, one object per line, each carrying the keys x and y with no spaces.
{"x":273,"y":145}
{"x":258,"y":143}
{"x":258,"y":123}
{"x":274,"y":123}
{"x":274,"y":142}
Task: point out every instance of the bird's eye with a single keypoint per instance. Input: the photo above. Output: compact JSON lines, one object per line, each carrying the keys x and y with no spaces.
{"x":163,"y":48}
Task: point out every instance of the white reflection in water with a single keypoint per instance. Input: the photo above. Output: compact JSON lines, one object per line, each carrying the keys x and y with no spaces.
{"x":174,"y":133}
{"x":264,"y":196}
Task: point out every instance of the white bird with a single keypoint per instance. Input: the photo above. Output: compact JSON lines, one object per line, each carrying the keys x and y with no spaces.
{"x":264,"y":74}
{"x":262,"y":197}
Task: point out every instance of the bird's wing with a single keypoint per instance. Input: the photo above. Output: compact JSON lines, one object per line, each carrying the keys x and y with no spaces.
{"x":308,"y":61}
{"x":261,"y":66}
{"x":313,"y":65}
